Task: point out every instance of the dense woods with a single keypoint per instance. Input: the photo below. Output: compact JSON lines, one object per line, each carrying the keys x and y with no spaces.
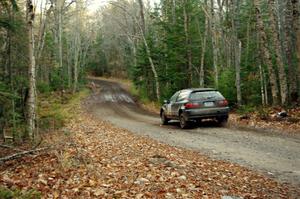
{"x":43,"y":48}
{"x":248,"y":49}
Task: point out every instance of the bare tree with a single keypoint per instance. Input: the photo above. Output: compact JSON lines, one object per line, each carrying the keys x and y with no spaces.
{"x":144,"y":40}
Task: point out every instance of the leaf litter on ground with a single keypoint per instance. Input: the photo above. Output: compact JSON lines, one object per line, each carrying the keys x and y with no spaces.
{"x":98,"y":160}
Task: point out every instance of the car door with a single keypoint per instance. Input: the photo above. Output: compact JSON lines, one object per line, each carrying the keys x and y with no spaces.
{"x":182,"y":97}
{"x":170,"y":104}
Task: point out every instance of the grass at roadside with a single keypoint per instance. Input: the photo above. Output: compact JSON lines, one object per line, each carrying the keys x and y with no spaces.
{"x":17,"y":193}
{"x":56,"y":109}
{"x":145,"y":102}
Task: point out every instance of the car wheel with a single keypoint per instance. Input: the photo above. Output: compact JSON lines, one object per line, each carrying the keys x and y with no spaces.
{"x":164,"y":119}
{"x":222,"y":121}
{"x":183,"y":121}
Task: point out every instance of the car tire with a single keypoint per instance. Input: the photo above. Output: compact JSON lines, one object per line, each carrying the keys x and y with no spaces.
{"x":222,"y":121}
{"x":164,"y":119}
{"x":183,"y":121}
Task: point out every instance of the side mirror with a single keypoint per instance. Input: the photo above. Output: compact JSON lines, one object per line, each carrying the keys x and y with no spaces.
{"x":166,"y":101}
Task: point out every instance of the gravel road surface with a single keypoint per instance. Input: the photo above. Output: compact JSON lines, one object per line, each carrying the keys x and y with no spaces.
{"x":274,"y":154}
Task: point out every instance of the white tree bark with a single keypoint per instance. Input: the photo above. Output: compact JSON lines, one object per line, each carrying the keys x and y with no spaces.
{"x":201,"y":75}
{"x":144,"y":40}
{"x":262,"y":92}
{"x":238,"y":52}
{"x":77,"y":46}
{"x":141,"y":27}
{"x":31,"y":101}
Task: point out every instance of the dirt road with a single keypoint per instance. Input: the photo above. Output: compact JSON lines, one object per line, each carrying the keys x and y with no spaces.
{"x":276,"y":155}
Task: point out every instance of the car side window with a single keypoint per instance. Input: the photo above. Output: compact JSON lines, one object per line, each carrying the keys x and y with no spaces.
{"x":174,"y":97}
{"x":183,"y":95}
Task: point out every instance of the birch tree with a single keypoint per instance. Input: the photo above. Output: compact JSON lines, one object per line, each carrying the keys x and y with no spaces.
{"x":77,"y":43}
{"x":31,"y":100}
{"x":144,"y":41}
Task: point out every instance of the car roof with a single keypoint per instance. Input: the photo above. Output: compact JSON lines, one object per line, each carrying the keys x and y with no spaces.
{"x":199,"y":89}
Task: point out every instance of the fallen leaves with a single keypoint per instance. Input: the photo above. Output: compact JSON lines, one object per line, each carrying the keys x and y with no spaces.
{"x":267,"y":119}
{"x":98,"y":160}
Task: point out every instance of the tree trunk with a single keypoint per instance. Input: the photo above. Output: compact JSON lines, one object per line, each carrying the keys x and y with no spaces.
{"x":174,"y":11}
{"x":266,"y":53}
{"x":288,"y":48}
{"x":152,"y":68}
{"x":265,"y":87}
{"x":76,"y":65}
{"x":58,"y":29}
{"x":142,"y":30}
{"x":214,"y":43}
{"x":187,"y":43}
{"x":77,"y":44}
{"x":141,"y":4}
{"x":60,"y":55}
{"x":277,"y":48}
{"x":296,"y":26}
{"x":201,"y":75}
{"x":238,"y":52}
{"x":41,"y":43}
{"x":31,"y":101}
{"x":237,"y":45}
{"x":262,"y":92}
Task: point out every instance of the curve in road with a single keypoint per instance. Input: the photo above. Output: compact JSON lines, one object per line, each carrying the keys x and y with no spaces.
{"x":276,"y":155}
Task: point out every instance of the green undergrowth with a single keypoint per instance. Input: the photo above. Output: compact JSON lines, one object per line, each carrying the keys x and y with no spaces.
{"x":56,"y":108}
{"x":246,"y":109}
{"x":6,"y":193}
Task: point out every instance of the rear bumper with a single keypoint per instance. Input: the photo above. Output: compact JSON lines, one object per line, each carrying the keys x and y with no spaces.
{"x":206,"y":112}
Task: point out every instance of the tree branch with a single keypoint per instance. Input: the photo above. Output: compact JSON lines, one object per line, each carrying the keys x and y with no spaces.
{"x":20,"y":154}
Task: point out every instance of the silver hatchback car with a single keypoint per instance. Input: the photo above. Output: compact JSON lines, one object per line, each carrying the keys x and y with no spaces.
{"x":195,"y":104}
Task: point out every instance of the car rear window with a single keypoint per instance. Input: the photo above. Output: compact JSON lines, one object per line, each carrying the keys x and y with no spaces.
{"x":183,"y":95}
{"x":204,"y":95}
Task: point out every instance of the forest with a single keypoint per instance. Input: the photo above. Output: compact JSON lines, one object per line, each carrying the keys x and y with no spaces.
{"x":247,"y":49}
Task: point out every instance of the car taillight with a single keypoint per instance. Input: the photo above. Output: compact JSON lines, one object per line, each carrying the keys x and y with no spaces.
{"x":223,"y":102}
{"x":191,"y":105}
